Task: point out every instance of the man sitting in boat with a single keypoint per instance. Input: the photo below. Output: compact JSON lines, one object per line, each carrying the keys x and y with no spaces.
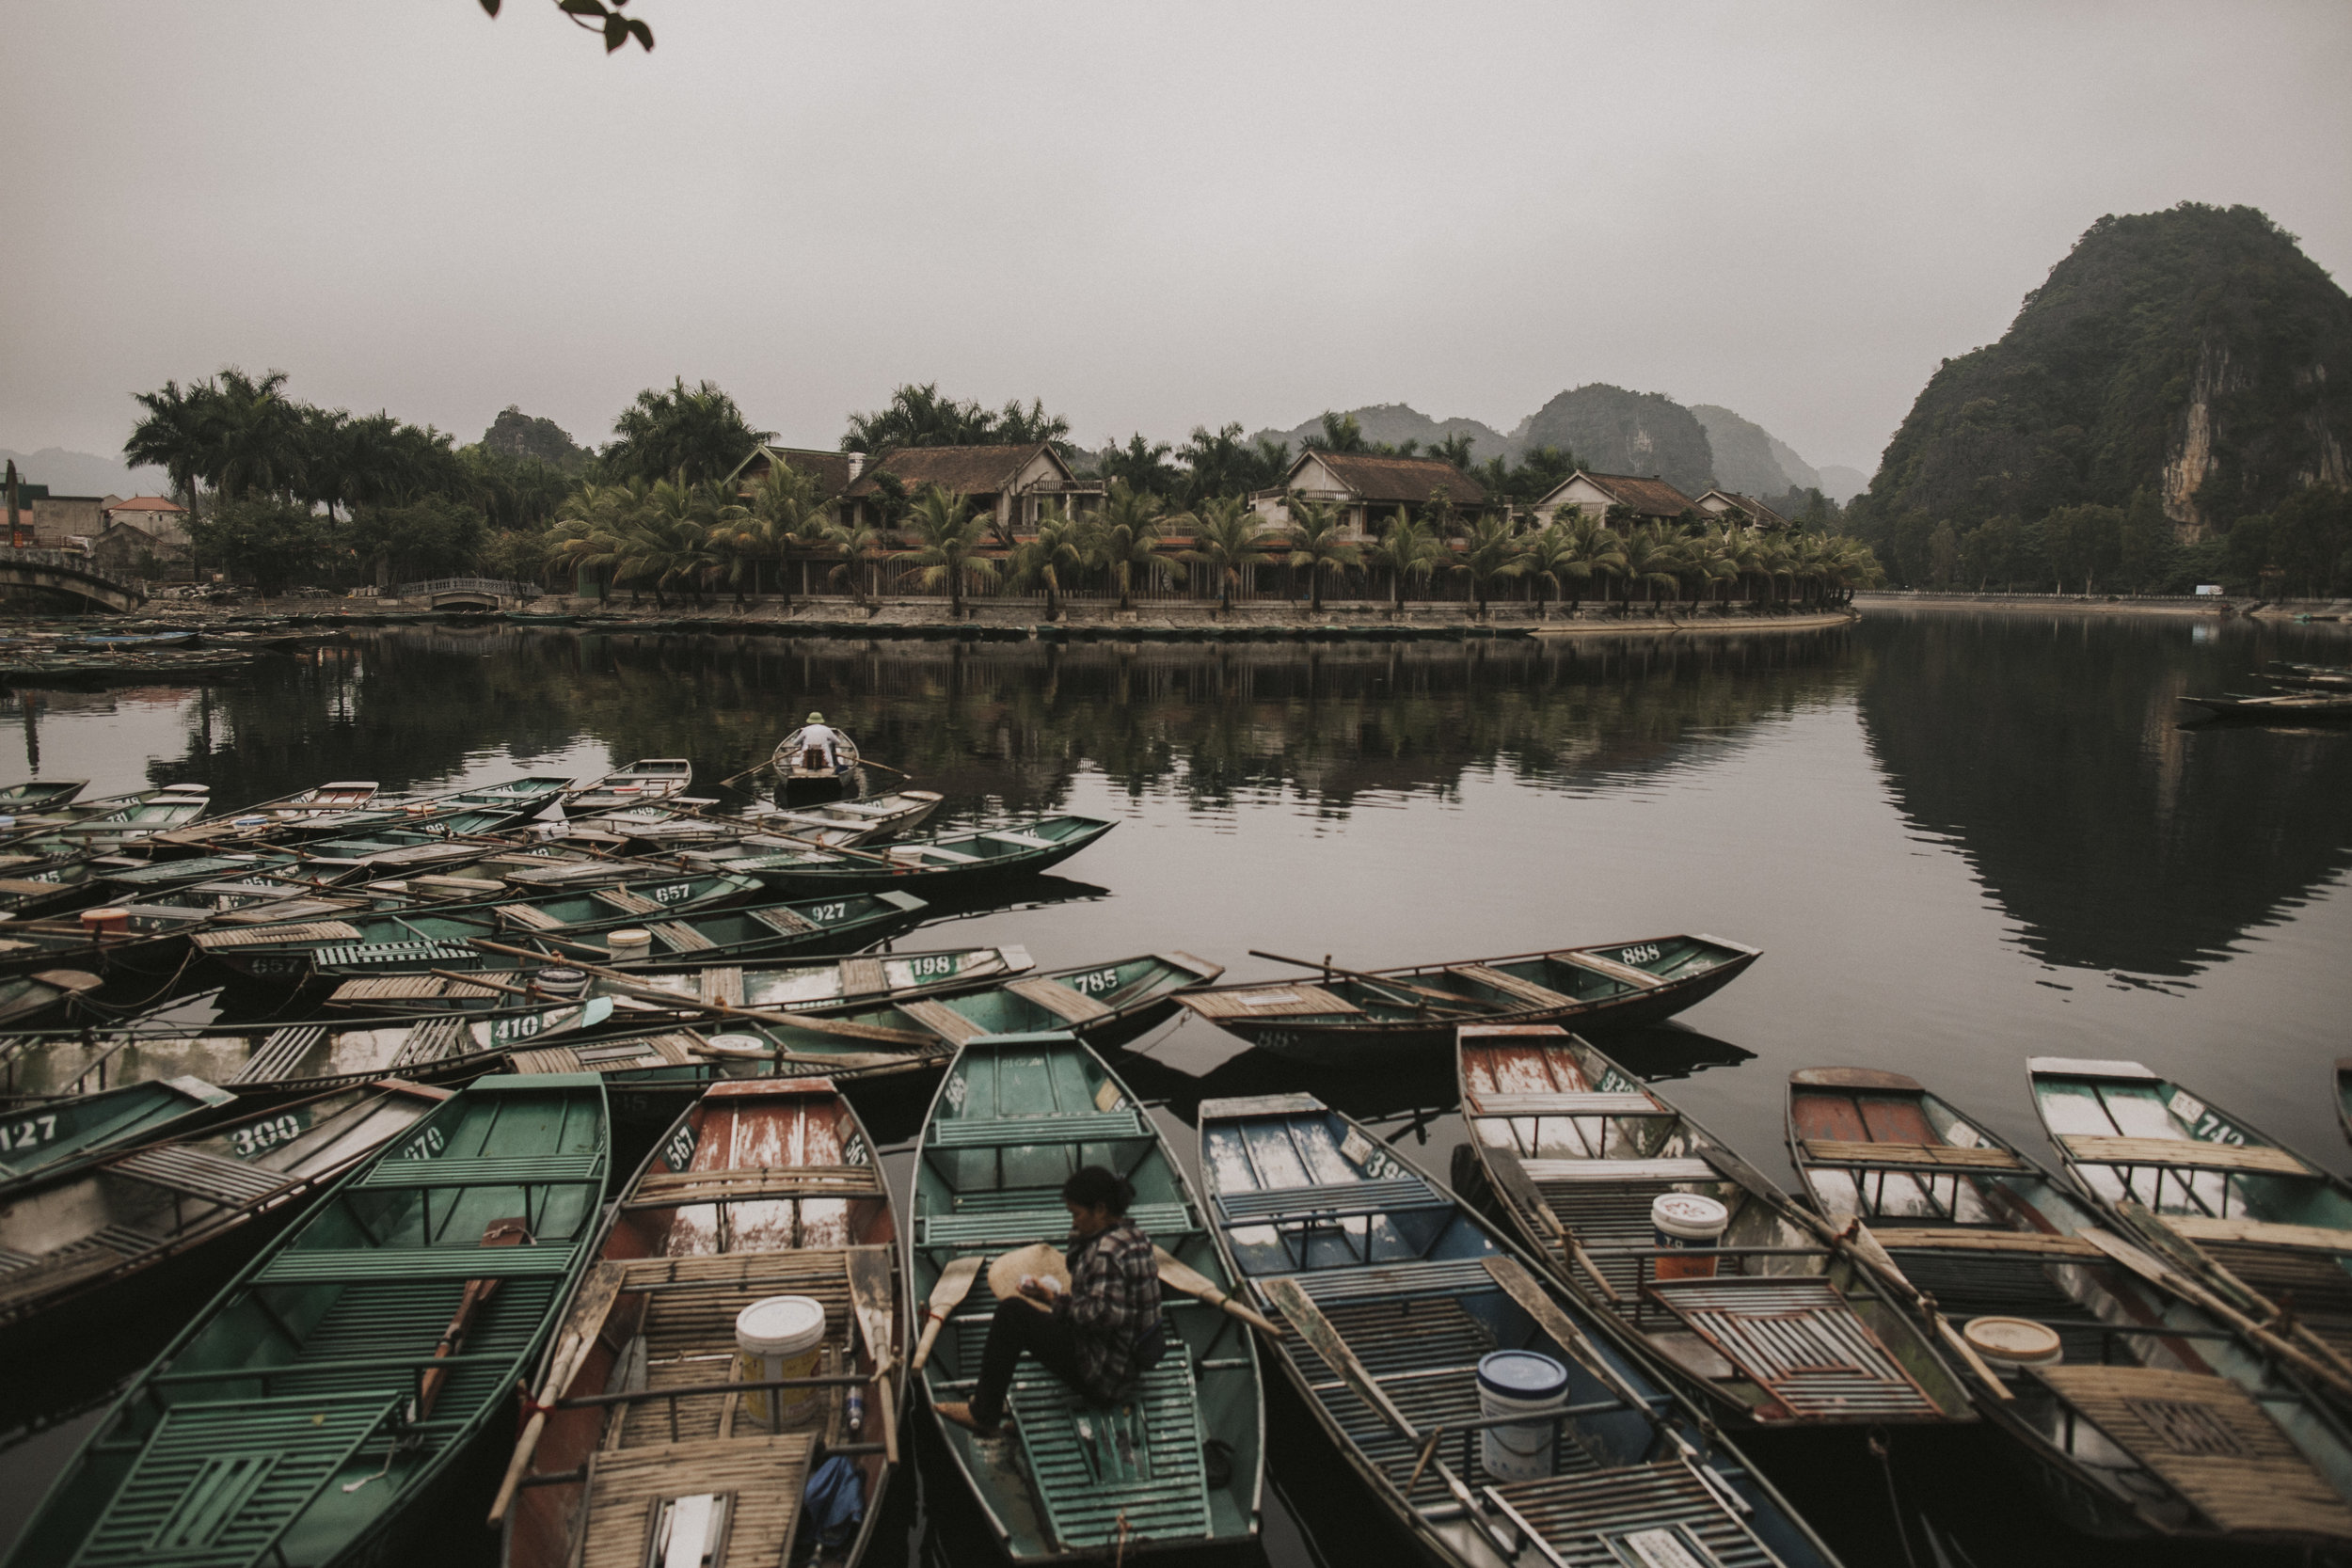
{"x":1098,"y":1336}
{"x":820,"y":746}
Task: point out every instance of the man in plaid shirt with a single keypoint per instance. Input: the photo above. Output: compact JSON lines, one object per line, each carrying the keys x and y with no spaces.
{"x":1099,"y":1335}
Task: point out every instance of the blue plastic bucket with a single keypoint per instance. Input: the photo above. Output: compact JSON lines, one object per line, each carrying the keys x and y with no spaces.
{"x":1520,"y":1383}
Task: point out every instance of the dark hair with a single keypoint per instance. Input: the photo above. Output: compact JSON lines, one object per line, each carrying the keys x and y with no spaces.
{"x":1092,"y":1187}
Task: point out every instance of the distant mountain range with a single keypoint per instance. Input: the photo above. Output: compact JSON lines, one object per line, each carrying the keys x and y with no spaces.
{"x":1614,"y":431}
{"x":80,"y":473}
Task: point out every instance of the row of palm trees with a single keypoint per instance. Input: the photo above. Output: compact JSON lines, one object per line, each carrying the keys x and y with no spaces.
{"x":676,"y":536}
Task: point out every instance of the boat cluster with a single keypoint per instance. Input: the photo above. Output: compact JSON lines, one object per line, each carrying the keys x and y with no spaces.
{"x":2299,"y":693}
{"x":134,"y":652}
{"x":1557,"y":1352}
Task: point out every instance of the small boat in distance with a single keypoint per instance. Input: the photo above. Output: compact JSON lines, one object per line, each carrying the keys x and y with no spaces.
{"x":38,"y":795}
{"x":815,"y":762}
{"x":2286,"y":707}
{"x":644,"y":781}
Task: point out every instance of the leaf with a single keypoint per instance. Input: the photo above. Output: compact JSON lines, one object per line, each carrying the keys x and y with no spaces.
{"x":615,"y":32}
{"x":645,"y":35}
{"x":582,"y":7}
{"x":491,"y":6}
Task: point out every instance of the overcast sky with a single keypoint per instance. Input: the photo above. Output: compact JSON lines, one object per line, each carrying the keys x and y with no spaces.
{"x":1151,"y":216}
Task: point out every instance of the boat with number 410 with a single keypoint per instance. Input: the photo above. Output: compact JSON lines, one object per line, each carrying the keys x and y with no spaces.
{"x":332,"y":1403}
{"x":1345,"y":1017}
{"x":1178,"y":1460}
{"x":1408,"y":1322}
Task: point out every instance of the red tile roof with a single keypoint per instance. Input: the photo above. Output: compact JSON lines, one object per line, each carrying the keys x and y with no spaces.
{"x":958,"y":471}
{"x":147,"y":503}
{"x":1411,"y":479}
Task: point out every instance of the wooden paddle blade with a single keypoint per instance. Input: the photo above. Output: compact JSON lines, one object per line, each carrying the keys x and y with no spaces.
{"x":1192,"y":1282}
{"x":955,"y":1283}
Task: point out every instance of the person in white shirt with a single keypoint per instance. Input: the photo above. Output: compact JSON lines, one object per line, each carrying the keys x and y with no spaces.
{"x":820,"y":745}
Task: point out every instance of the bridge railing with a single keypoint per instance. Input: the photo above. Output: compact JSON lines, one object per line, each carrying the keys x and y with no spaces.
{"x":496,"y":587}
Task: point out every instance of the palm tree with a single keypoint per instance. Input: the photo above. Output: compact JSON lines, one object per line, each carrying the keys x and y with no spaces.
{"x":785,"y":513}
{"x":256,"y":431}
{"x":1599,"y":547}
{"x":668,"y":545}
{"x":1230,"y":540}
{"x":175,"y":436}
{"x":694,"y":432}
{"x":1127,"y":535}
{"x":1318,"y":544}
{"x":1653,"y":559}
{"x":1408,"y":547}
{"x":856,"y":541}
{"x":593,"y":537}
{"x":1494,"y":553}
{"x":735,"y":536}
{"x":1706,"y":559}
{"x":1060,"y":545}
{"x":1553,"y":560}
{"x":946,"y":538}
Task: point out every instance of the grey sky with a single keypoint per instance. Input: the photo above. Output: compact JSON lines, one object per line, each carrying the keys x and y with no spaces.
{"x":1151,"y":216}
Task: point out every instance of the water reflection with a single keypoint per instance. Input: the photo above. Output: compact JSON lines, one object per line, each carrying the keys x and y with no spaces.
{"x":2047,"y":751}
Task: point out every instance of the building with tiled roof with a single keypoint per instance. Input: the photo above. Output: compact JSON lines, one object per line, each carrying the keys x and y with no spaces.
{"x":155,"y":517}
{"x":1368,"y":487}
{"x":1010,"y":483}
{"x":1746,"y":511}
{"x":1597,"y":495}
{"x":832,"y":471}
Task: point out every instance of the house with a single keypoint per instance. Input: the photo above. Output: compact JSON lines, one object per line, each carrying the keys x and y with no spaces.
{"x":1743,"y":510}
{"x":833,"y":471}
{"x":1367,"y":488}
{"x":130,"y":548}
{"x":1010,"y":486}
{"x":155,"y":517}
{"x":1648,"y":499}
{"x":55,"y":522}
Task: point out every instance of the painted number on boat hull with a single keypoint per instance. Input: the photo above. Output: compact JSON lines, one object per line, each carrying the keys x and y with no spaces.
{"x":1646,"y":954}
{"x":828,"y":913}
{"x":262,"y":1136}
{"x":424,"y":1145}
{"x":1101,"y":982}
{"x":29,"y":1134}
{"x":935,"y":966}
{"x":680,"y":1152}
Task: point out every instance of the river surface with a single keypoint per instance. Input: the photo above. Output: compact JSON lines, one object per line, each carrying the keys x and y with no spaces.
{"x":1961,"y":839}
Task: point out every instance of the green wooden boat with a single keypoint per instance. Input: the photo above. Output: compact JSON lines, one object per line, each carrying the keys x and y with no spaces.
{"x":37,"y":794}
{"x":321,"y":1409}
{"x":53,"y":993}
{"x":2344,"y":1094}
{"x":436,"y":936}
{"x":933,"y":864}
{"x":1181,"y":1462}
{"x":41,"y":1140}
{"x":80,"y":1237}
{"x":2205,"y":1187}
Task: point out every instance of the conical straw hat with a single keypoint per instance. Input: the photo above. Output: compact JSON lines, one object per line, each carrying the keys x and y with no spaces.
{"x":1044,"y":1260}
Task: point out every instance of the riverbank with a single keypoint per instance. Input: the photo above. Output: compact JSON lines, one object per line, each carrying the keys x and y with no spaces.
{"x":2072,"y":603}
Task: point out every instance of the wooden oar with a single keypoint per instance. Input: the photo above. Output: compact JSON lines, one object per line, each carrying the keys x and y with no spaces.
{"x":955,"y":1283}
{"x":1200,"y":1286}
{"x":2157,"y":1273}
{"x":571,"y":1350}
{"x":764,"y":763}
{"x":1520,"y":1189}
{"x":1464,"y":1004}
{"x":870,"y":1299}
{"x":498,"y":1233}
{"x":874,"y":1031}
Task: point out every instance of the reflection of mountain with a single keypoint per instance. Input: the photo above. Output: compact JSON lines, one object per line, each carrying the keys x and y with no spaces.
{"x":1008,"y":725}
{"x":2084,"y":808}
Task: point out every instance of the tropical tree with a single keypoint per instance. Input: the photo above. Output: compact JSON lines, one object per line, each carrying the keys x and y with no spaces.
{"x":1230,"y":541}
{"x":667,"y":544}
{"x":592,"y":537}
{"x":1127,"y":535}
{"x":921,"y":416}
{"x":946,"y":539}
{"x":1142,"y":465}
{"x":1408,"y":547}
{"x":175,"y":436}
{"x":255,"y":435}
{"x":1223,"y":463}
{"x":1059,"y":546}
{"x":857,"y":542}
{"x":1653,"y":560}
{"x":1318,"y":542}
{"x":1705,"y":560}
{"x":1493,"y":553}
{"x":737,"y":538}
{"x":783,"y":515}
{"x":1599,"y":547}
{"x":692,"y":435}
{"x":1554,"y":560}
{"x":1341,"y":433}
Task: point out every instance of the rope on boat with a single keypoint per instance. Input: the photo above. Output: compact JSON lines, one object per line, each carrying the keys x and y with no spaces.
{"x":1883,"y":1452}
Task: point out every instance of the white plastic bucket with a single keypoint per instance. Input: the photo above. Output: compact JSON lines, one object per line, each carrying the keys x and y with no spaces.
{"x":560,"y":981}
{"x":633,"y":941}
{"x":1686,"y":1220}
{"x":2013,"y":1344}
{"x":779,"y":1337}
{"x":1520,"y":1383}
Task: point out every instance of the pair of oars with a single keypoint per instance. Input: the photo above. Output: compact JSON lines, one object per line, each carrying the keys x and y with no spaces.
{"x":770,"y":762}
{"x":955,"y":1283}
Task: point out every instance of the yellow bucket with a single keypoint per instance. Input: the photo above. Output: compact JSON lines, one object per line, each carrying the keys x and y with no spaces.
{"x":774,"y":1338}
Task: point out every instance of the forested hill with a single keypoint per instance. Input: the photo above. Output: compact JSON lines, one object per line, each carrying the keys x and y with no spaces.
{"x":2195,"y":354}
{"x":1617,"y":432}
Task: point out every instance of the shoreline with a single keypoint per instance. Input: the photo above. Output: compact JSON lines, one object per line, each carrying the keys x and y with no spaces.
{"x":2211,"y":608}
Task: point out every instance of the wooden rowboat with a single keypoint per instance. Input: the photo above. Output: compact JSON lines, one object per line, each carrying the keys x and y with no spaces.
{"x":53,"y":993}
{"x":39,"y":1141}
{"x":273,"y":1062}
{"x":1392,"y":1291}
{"x":1363,"y":1019}
{"x":1784,"y":1329}
{"x":1959,"y":1214}
{"x":799,"y":778}
{"x":323,"y":1409}
{"x":38,"y":795}
{"x":831,"y":823}
{"x":2288,"y":708}
{"x":67,"y":1240}
{"x":2262,"y":1223}
{"x":930,"y":865}
{"x":1180,"y":1462}
{"x":760,"y":1189}
{"x":642,"y":782}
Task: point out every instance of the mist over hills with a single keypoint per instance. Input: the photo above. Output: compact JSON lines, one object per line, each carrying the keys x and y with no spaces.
{"x":82,"y":473}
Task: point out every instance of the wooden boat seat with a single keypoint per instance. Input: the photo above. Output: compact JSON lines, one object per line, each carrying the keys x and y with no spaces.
{"x":1512,"y":986}
{"x":369,"y":954}
{"x":296,"y":935}
{"x":668,"y":1189}
{"x":863,"y":976}
{"x":1133,"y":1470}
{"x":932,"y":852}
{"x":1060,"y":1000}
{"x":1404,"y":1281}
{"x":1072,"y":1128}
{"x":357,"y":1265}
{"x":435,"y":1040}
{"x":945,"y":1022}
{"x":1621,"y":1171}
{"x":1639,"y":979}
{"x":529,"y":916}
{"x":1797,"y":1338}
{"x":1276,"y":1001}
{"x":1624,"y":1508}
{"x":1633,"y":1104}
{"x":218,"y":1483}
{"x":972,"y":1226}
{"x":1329,"y":1201}
{"x":523,"y":1170}
{"x":2209,"y":1442}
{"x":2187,"y":1153}
{"x":681,"y":937}
{"x":762,"y":1476}
{"x":721,"y":984}
{"x":280,"y":1053}
{"x":675,"y":1049}
{"x":1025,"y":841}
{"x":627,"y":901}
{"x":783,"y":922}
{"x":179,"y":1170}
{"x":1938,"y":1239}
{"x":2316,"y":1238}
{"x":406,"y":988}
{"x":1895,"y":1156}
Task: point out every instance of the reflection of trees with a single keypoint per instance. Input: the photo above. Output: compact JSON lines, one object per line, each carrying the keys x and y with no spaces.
{"x":2051,"y":755}
{"x":1002,"y":722}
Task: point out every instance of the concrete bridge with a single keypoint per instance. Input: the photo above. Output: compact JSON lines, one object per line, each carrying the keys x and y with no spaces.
{"x":467,"y":592}
{"x":69,"y":571}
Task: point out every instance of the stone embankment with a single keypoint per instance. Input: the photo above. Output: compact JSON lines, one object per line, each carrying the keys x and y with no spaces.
{"x":2115,"y":604}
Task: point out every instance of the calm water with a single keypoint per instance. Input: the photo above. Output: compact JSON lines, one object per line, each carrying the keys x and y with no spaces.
{"x":1962,"y":840}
